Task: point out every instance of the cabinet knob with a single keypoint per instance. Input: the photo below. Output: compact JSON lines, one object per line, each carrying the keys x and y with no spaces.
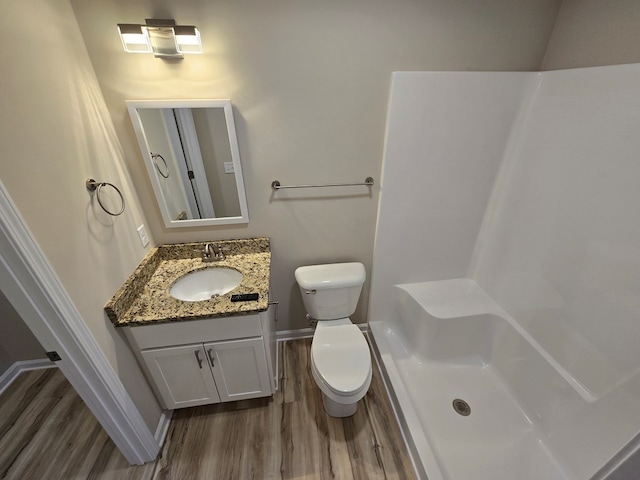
{"x":197,"y":352}
{"x":211,"y":357}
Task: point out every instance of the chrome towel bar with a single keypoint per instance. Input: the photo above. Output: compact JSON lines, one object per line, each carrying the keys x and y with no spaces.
{"x":367,"y":183}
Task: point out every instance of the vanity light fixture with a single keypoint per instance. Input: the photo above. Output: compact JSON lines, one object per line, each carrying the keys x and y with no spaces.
{"x":163,"y":38}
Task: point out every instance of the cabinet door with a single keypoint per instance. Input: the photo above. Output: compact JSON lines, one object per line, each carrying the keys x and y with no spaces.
{"x":182,"y":375}
{"x":240,"y":368}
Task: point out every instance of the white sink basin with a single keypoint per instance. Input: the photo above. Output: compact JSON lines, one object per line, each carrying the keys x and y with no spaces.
{"x":205,"y":284}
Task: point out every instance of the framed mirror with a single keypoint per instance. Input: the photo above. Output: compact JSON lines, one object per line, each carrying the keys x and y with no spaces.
{"x":191,"y":153}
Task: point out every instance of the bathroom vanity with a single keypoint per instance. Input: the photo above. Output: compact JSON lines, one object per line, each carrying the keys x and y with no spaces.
{"x":205,"y":351}
{"x":207,"y":361}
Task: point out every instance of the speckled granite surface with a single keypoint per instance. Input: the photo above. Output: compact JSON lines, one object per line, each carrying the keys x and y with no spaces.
{"x":144,"y":298}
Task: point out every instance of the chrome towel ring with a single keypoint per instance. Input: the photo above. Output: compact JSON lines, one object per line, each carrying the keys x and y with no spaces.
{"x":94,"y":186}
{"x":154,"y":157}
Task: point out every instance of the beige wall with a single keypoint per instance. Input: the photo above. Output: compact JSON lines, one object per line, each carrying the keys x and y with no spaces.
{"x":56,"y":132}
{"x":309,"y":82}
{"x":17,"y":343}
{"x":594,"y":32}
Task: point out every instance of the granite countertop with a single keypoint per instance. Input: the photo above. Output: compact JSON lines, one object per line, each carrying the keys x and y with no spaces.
{"x":144,"y":298}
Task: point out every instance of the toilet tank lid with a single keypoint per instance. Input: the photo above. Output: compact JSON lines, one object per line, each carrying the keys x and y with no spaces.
{"x":332,"y":275}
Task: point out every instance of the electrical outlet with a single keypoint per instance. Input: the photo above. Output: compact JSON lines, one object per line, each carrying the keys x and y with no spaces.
{"x":142,"y":233}
{"x":228,"y":167}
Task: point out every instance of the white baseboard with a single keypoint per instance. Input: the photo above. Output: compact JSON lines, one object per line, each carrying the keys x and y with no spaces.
{"x":284,"y":335}
{"x":163,"y":427}
{"x":17,"y":368}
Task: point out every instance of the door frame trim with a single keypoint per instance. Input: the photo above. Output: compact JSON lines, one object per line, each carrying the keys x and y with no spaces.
{"x":31,"y":285}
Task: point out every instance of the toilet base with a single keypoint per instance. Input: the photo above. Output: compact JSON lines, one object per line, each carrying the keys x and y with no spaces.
{"x":340,"y":410}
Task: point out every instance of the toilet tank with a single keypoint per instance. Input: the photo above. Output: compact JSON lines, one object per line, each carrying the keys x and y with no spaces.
{"x":337,"y":288}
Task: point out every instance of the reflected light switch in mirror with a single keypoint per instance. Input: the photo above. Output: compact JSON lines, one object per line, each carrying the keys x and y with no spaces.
{"x":228,"y":167}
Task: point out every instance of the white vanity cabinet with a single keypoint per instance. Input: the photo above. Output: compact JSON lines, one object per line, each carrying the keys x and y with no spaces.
{"x":239,"y":369}
{"x":181,"y":375}
{"x":206,"y":361}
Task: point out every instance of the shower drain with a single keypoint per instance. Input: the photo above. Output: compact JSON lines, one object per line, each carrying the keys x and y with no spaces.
{"x":461,"y":407}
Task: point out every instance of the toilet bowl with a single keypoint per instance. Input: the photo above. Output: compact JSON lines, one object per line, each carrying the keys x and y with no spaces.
{"x":341,"y":365}
{"x":340,"y":356}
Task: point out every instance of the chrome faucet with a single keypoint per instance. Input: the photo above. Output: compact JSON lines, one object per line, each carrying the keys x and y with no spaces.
{"x":212,"y":253}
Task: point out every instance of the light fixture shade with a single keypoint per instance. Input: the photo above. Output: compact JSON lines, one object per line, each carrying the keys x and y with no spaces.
{"x":134,"y":38}
{"x":163,"y":38}
{"x":188,"y":39}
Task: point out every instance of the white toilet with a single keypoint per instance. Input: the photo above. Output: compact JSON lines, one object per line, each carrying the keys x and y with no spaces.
{"x":340,"y":357}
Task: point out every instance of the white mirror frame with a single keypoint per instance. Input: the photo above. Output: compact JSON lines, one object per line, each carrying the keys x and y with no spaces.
{"x":134,"y":105}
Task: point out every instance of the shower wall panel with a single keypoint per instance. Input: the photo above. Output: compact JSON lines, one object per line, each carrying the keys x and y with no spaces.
{"x":446,"y":135}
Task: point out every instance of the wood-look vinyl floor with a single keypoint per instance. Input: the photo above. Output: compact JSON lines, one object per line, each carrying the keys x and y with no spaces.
{"x":46,"y":432}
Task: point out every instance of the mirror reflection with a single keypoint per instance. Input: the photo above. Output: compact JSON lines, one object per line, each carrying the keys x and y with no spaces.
{"x":191,"y":154}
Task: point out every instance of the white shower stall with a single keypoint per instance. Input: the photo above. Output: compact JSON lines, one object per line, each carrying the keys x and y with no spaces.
{"x":506,"y":271}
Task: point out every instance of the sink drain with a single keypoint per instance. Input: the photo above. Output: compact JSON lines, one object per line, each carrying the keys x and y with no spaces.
{"x":461,"y":407}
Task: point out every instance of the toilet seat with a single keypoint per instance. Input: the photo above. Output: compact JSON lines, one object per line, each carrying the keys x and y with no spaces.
{"x":341,"y":360}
